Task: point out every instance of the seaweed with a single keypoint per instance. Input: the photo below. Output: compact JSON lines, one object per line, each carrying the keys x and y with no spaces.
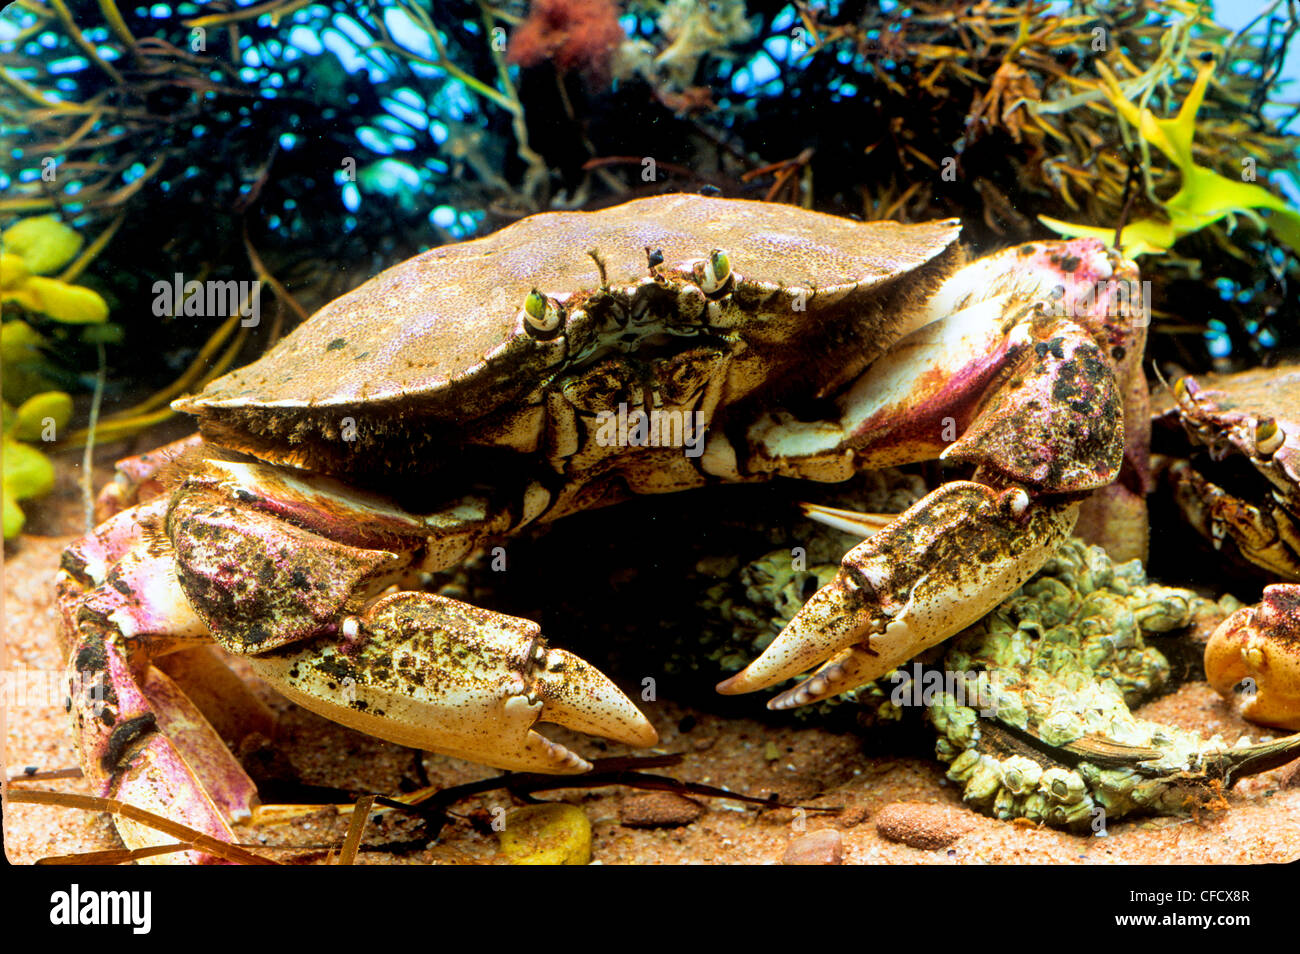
{"x":306,"y":145}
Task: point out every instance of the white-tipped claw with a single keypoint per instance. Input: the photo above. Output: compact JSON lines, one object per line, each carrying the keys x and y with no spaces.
{"x":435,"y":674}
{"x":850,"y":521}
{"x":578,"y":696}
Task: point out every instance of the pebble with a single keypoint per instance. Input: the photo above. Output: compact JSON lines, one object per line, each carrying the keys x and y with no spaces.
{"x":554,"y":834}
{"x":853,"y":815}
{"x":1290,"y":777}
{"x":658,"y":810}
{"x":923,"y":825}
{"x":825,"y":847}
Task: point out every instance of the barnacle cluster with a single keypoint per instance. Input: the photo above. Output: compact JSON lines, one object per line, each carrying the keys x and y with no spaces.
{"x":1056,"y":667}
{"x":1032,"y":706}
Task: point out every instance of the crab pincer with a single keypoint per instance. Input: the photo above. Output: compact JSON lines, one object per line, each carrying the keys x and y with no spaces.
{"x":436,"y":674}
{"x":1260,"y":645}
{"x":941,"y":566}
{"x":1030,"y":398}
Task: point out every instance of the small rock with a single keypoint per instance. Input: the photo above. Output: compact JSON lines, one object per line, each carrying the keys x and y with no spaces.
{"x":554,"y":834}
{"x":922,"y":825}
{"x":825,"y":847}
{"x":658,"y":810}
{"x":1290,"y":776}
{"x":853,"y":815}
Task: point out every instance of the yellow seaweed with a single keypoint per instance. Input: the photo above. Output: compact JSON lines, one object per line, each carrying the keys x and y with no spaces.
{"x":27,"y":473}
{"x":43,"y":243}
{"x":1204,"y":196}
{"x":32,"y":249}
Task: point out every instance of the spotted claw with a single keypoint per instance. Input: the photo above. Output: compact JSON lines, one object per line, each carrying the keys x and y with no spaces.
{"x":939,"y":567}
{"x":436,"y":674}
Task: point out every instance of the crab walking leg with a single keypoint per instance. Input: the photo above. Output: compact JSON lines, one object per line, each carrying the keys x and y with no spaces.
{"x":436,"y":674}
{"x":938,"y":568}
{"x":850,"y":521}
{"x":278,"y":566}
{"x":140,"y":739}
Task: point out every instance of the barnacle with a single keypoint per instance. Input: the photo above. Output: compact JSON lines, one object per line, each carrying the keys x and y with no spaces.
{"x":1041,"y":724}
{"x":1057,"y":667}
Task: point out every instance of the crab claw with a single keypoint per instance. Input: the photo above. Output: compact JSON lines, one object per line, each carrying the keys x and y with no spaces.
{"x":1261,"y":644}
{"x":939,"y":567}
{"x":436,"y":674}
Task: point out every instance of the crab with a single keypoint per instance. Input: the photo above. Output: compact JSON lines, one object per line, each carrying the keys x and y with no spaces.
{"x":1239,"y":486}
{"x":483,"y":387}
{"x":1240,"y":489}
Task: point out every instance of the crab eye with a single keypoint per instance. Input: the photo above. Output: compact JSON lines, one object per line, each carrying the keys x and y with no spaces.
{"x":1268,"y":437}
{"x":542,"y":317}
{"x":716,"y":272}
{"x":1185,"y":390}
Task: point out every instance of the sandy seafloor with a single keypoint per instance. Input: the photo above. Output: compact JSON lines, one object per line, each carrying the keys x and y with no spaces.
{"x":807,"y":765}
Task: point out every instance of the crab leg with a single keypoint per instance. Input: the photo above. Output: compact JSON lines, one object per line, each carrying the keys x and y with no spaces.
{"x":140,"y":738}
{"x":291,"y":572}
{"x":939,"y":567}
{"x":410,"y":667}
{"x":1030,"y":398}
{"x":436,"y":674}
